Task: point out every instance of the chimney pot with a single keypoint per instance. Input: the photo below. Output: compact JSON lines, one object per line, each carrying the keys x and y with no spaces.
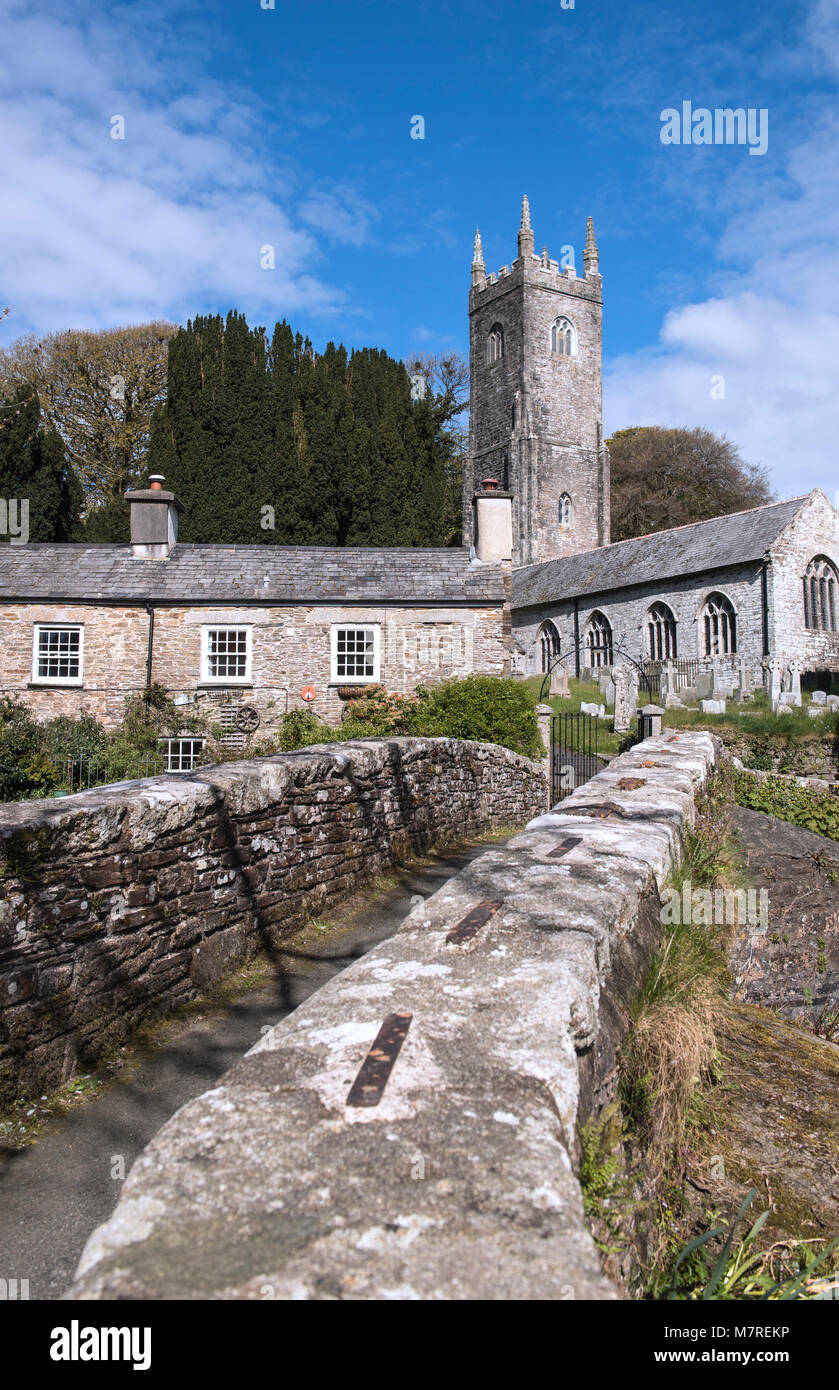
{"x":156,"y":481}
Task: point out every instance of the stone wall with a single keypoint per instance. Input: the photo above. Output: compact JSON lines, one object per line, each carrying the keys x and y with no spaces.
{"x":291,"y":649}
{"x":460,"y":1182}
{"x":627,"y":610}
{"x":122,"y":903}
{"x":814,"y":531}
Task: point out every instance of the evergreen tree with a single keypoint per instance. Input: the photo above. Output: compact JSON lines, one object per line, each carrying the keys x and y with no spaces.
{"x":334,"y":445}
{"x":34,"y":467}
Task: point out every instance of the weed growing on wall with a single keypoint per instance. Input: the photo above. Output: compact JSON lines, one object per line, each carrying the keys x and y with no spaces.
{"x":777,"y":796}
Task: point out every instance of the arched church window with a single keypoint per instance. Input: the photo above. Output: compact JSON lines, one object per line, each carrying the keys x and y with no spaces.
{"x":564,"y":512}
{"x":661,"y":633}
{"x":495,"y":343}
{"x":820,"y":595}
{"x":599,"y":640}
{"x":548,"y":646}
{"x":563,"y":338}
{"x":719,"y":626}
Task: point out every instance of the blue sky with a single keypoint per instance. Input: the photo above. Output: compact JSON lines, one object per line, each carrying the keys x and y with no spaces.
{"x":290,"y":127}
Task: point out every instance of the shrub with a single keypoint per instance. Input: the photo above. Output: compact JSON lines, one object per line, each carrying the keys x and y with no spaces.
{"x":301,"y":727}
{"x":66,"y":738}
{"x":490,"y":709}
{"x":26,"y":768}
{"x":384,"y":712}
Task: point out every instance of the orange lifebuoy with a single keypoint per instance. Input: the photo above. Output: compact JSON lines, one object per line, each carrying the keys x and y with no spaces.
{"x":308,"y":693}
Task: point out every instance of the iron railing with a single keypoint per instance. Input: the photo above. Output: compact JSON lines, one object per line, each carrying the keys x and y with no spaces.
{"x":573,"y":753}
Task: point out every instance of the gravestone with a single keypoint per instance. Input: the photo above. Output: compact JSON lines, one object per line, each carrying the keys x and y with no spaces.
{"x":745,"y":689}
{"x":626,"y":697}
{"x":597,"y":710}
{"x":832,"y":702}
{"x":704,"y":685}
{"x":712,"y":706}
{"x":774,"y":675}
{"x":559,"y":681}
{"x":610,"y":693}
{"x":818,"y":697}
{"x":795,"y":668}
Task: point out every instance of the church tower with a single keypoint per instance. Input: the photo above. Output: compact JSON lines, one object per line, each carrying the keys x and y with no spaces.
{"x":535,"y":347}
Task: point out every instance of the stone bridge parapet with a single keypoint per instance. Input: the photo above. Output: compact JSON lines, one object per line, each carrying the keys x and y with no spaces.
{"x":331,"y":1162}
{"x":121,"y":903}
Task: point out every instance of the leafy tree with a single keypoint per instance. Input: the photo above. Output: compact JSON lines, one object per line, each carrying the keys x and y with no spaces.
{"x":33,"y":466}
{"x":670,"y":477}
{"x":98,"y":391}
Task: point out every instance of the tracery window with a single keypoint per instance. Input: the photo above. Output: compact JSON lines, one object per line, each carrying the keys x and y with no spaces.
{"x":495,"y":343}
{"x":719,"y":626}
{"x":661,"y":633}
{"x":548,"y":646}
{"x":599,"y":640}
{"x":820,"y":595}
{"x":564,"y":512}
{"x":563,"y":338}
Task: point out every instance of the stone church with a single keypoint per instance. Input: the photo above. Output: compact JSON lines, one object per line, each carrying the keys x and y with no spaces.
{"x":247,"y":632}
{"x":748,"y":596}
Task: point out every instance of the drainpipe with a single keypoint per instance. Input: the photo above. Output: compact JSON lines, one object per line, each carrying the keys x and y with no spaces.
{"x":764,"y":596}
{"x":150,"y":611}
{"x":577,"y":638}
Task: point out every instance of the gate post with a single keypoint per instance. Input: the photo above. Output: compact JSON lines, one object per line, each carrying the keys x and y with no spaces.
{"x":544,"y":715}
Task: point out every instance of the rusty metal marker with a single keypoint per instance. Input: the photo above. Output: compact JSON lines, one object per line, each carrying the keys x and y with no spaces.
{"x":564,"y":846}
{"x":471,"y":924}
{"x":368,"y":1087}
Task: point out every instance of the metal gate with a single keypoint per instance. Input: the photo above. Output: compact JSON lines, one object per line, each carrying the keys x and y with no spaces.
{"x":573,"y":753}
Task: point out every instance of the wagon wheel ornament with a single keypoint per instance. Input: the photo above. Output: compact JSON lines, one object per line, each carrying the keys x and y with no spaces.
{"x":247,"y":719}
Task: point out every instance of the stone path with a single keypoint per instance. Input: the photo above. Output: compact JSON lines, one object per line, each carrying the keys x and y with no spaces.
{"x":53,"y":1194}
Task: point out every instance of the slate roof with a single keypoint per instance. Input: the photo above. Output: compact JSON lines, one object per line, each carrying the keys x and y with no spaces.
{"x":703,"y":545}
{"x":231,"y":574}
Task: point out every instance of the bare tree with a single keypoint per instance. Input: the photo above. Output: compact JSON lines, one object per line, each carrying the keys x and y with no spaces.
{"x":98,"y":390}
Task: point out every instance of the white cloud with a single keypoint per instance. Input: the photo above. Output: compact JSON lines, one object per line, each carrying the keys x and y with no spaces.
{"x":770,"y":329}
{"x":98,"y":231}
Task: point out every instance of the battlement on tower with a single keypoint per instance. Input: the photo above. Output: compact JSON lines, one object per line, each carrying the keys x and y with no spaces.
{"x":544,"y":274}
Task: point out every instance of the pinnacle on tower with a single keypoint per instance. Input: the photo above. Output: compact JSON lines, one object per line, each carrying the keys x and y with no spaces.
{"x":479,"y":270}
{"x":525,"y":230}
{"x":591,"y":259}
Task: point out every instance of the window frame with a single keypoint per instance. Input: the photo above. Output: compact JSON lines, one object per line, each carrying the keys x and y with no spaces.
{"x":599,"y":622}
{"x":728,"y":630}
{"x":570,"y":327}
{"x":565,"y":505}
{"x":661,"y":623}
{"x":334,"y":677}
{"x":37,"y":629}
{"x":206,"y":678}
{"x":166,"y":744}
{"x":821,"y":595}
{"x":495,"y":334}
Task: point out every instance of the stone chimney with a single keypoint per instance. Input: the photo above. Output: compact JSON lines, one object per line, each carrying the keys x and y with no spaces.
{"x":493,"y":522}
{"x":154,"y":520}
